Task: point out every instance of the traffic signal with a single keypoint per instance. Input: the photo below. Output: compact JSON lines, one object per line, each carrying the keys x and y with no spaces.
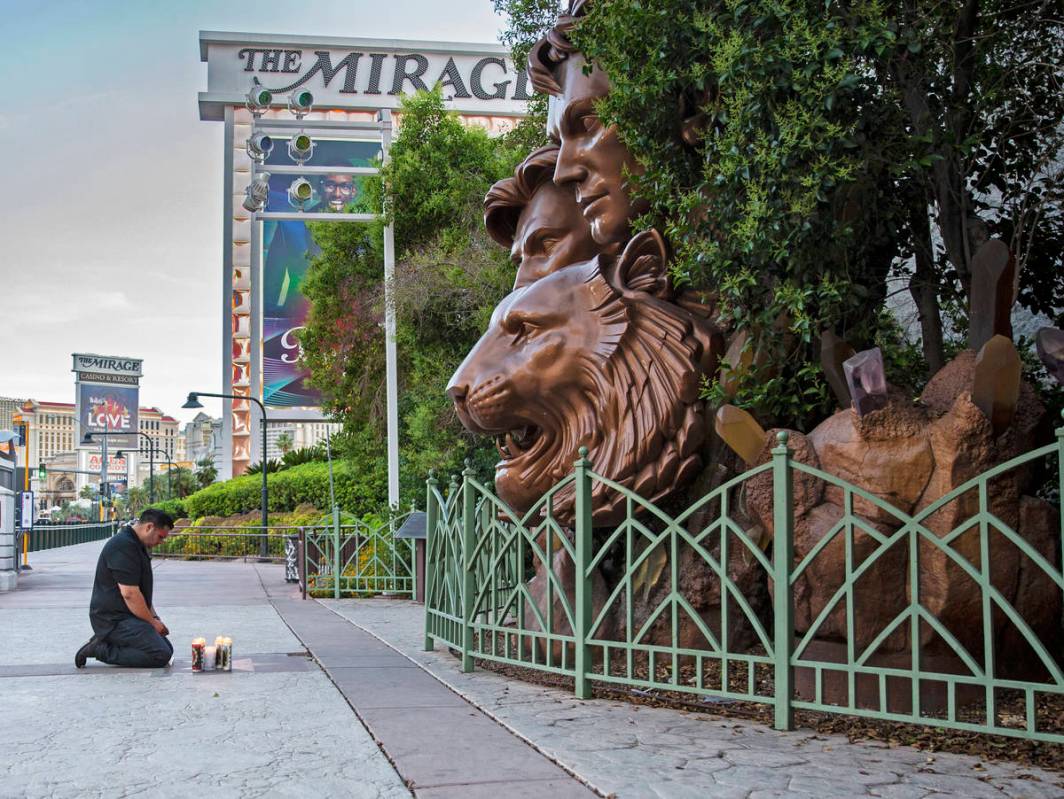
{"x":42,"y":472}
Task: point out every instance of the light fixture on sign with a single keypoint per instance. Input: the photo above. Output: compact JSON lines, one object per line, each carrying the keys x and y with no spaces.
{"x":257,"y":192}
{"x":300,"y":192}
{"x":259,"y":147}
{"x":258,"y":99}
{"x":300,"y":103}
{"x":300,"y":148}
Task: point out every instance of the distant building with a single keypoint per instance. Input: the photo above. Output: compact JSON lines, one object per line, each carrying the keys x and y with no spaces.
{"x":301,"y":435}
{"x":203,"y":439}
{"x":8,"y":408}
{"x":52,"y":441}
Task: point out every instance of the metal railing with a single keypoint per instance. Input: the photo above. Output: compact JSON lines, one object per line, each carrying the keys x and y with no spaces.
{"x":368,"y":558}
{"x":53,"y":536}
{"x":884,"y":595}
{"x":226,"y":543}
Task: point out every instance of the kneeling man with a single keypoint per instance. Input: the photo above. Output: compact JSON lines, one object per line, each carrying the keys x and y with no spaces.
{"x":127,"y":630}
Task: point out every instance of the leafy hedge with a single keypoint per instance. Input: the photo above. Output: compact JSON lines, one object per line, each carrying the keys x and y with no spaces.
{"x":358,"y":490}
{"x":175,"y":507}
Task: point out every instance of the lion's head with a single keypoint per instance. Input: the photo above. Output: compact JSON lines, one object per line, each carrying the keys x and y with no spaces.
{"x":598,"y":354}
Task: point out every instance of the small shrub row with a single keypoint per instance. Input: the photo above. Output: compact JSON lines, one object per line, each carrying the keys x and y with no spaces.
{"x":357,"y":490}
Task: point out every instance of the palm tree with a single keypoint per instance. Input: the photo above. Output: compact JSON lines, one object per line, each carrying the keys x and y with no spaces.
{"x":206,"y":472}
{"x":285,"y":442}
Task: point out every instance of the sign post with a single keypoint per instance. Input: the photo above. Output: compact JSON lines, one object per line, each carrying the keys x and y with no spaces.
{"x":26,"y":500}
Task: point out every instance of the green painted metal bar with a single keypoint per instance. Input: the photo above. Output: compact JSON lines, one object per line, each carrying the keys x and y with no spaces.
{"x":431,"y":538}
{"x":583,"y":539}
{"x":468,"y":553}
{"x":336,"y":551}
{"x":783,"y":597}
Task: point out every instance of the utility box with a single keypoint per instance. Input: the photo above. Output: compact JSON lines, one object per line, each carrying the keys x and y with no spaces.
{"x":414,"y":528}
{"x":8,"y":539}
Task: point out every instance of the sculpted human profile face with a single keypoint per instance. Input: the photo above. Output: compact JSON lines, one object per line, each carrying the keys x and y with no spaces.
{"x":551,"y":234}
{"x":537,"y":220}
{"x":592,"y":158}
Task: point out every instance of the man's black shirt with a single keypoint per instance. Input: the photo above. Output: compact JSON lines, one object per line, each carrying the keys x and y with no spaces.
{"x":123,"y":560}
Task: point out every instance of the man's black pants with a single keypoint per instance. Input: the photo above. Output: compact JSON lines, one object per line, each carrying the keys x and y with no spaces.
{"x":134,"y":642}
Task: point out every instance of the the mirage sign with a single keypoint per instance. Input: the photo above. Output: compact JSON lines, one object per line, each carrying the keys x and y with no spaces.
{"x":360,"y":73}
{"x":92,"y":368}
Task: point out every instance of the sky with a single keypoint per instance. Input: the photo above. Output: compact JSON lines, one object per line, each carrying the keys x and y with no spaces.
{"x":111,"y":190}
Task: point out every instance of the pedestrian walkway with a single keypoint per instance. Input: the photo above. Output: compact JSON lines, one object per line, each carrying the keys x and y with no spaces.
{"x":282,"y":724}
{"x":637,"y":751}
{"x":338,"y":699}
{"x":109,"y":732}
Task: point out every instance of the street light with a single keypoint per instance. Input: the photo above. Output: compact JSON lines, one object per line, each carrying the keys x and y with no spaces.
{"x":151,"y":471}
{"x":193,"y":403}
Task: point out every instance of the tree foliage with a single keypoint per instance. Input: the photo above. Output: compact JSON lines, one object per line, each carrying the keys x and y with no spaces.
{"x":826,"y":144}
{"x":449,"y":275}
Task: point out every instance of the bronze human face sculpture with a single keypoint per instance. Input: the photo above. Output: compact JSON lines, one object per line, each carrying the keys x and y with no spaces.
{"x":551,"y":234}
{"x":538,"y":221}
{"x":598,"y":355}
{"x":593,"y":159}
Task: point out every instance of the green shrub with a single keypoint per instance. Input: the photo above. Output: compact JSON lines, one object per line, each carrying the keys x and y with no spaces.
{"x":358,"y":490}
{"x":175,"y":507}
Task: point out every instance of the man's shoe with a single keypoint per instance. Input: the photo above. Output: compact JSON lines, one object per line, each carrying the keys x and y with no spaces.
{"x":85,"y":652}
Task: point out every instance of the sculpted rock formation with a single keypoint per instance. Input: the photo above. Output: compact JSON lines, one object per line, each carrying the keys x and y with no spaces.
{"x":596,"y":348}
{"x":910,"y":457}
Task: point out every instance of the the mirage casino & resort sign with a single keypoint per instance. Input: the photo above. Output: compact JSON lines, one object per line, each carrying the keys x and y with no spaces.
{"x":360,"y":73}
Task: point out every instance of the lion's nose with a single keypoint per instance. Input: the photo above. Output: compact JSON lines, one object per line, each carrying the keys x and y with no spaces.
{"x":457,"y":392}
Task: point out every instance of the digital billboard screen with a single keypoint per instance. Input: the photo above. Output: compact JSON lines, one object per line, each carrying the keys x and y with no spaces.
{"x":287,"y":250}
{"x":107,"y":409}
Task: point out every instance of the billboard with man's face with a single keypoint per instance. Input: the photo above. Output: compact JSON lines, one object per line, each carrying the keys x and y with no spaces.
{"x":287,"y":250}
{"x":107,"y":409}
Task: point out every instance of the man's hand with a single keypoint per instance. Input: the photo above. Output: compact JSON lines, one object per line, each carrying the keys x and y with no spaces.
{"x":160,"y":628}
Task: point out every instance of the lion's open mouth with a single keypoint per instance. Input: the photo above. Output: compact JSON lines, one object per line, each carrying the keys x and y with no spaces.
{"x":515,"y":443}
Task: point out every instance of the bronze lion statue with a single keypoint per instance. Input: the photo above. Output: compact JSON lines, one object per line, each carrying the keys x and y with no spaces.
{"x":599,"y":354}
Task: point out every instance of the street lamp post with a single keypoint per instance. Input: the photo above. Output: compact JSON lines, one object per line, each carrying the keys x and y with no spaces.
{"x":151,"y":456}
{"x":193,"y":403}
{"x":105,"y":486}
{"x":163,"y":459}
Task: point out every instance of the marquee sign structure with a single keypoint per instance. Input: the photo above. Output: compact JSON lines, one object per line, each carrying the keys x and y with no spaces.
{"x":353,"y":82}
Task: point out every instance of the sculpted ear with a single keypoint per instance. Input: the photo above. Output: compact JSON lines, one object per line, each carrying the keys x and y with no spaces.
{"x":642,"y":267}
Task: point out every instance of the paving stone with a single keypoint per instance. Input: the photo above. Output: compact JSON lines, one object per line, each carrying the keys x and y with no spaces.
{"x":555,"y":789}
{"x":900,"y":791}
{"x":954,"y":785}
{"x":465,"y":747}
{"x":753,"y":777}
{"x":1030,"y":789}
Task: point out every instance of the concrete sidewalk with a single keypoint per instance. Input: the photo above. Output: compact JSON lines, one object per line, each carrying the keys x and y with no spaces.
{"x":280,"y":725}
{"x":337,"y":698}
{"x":632,"y":751}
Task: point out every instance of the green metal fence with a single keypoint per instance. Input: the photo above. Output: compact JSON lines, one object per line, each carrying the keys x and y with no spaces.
{"x":525,"y":591}
{"x":52,"y":536}
{"x":368,"y":558}
{"x":226,"y":543}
